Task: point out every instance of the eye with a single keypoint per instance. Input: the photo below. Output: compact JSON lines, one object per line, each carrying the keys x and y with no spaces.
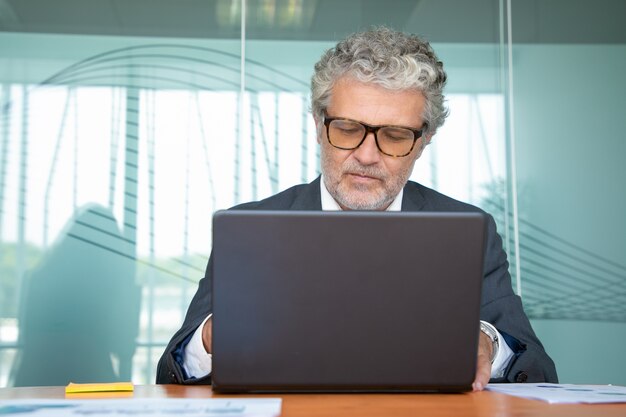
{"x":396,"y":134}
{"x":346,"y":128}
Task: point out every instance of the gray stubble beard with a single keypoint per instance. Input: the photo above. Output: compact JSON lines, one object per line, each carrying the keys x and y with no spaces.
{"x":344,"y":196}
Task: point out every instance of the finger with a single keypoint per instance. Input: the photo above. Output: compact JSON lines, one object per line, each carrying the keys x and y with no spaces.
{"x":483,"y":373}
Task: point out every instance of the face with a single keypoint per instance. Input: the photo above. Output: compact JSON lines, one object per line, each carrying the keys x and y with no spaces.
{"x":364,"y":178}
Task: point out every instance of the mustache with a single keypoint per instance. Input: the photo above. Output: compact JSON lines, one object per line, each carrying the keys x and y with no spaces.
{"x":366,"y":171}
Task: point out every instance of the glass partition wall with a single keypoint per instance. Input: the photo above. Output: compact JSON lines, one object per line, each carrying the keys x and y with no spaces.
{"x":125,"y":125}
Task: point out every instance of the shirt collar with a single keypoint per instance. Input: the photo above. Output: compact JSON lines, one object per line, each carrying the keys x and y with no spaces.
{"x":329,"y":203}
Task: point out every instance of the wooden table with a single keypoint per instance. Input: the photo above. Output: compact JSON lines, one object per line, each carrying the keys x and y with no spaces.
{"x":483,"y":404}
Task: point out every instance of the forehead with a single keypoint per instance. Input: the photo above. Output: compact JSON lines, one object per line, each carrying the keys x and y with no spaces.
{"x":374,"y":104}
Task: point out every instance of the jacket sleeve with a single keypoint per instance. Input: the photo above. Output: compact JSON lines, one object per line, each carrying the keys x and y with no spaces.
{"x":502,"y":308}
{"x":169,"y":370}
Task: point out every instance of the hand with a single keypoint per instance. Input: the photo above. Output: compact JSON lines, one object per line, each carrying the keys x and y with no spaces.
{"x":207,"y":334}
{"x":483,"y":365}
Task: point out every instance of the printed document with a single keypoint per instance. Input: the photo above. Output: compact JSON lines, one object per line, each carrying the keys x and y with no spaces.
{"x":564,"y":393}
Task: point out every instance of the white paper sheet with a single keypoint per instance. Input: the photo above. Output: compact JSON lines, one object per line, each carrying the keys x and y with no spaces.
{"x":564,"y":393}
{"x":210,"y":407}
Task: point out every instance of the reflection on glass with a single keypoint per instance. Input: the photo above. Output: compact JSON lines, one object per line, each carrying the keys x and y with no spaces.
{"x":79,"y":308}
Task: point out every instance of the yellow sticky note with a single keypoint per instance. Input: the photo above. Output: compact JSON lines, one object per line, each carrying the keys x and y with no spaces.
{"x":99,"y":395}
{"x":73,"y":388}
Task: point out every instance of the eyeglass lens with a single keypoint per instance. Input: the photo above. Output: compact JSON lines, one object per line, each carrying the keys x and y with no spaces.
{"x":348,"y":134}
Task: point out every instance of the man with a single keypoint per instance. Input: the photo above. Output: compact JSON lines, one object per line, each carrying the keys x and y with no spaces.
{"x":377,"y":101}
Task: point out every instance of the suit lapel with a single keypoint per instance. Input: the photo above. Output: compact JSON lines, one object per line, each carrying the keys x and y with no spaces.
{"x":309,"y":197}
{"x":412,"y":199}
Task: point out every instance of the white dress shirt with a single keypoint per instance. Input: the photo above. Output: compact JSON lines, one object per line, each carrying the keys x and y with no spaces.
{"x":198,"y":363}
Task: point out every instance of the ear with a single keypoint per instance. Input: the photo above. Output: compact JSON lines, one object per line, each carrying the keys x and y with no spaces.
{"x":425,"y":141}
{"x":318,"y":129}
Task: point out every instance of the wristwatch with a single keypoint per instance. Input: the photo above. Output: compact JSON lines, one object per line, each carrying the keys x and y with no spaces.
{"x":492,"y":333}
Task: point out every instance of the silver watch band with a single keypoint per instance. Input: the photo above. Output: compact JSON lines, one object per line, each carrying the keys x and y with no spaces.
{"x":492,"y":333}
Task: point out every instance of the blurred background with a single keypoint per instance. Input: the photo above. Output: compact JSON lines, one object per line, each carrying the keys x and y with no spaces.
{"x":124,"y":124}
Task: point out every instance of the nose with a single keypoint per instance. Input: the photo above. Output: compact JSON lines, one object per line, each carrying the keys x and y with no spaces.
{"x":367,"y":153}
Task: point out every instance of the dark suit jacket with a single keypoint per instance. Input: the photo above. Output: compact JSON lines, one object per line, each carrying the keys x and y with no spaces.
{"x":499,"y":305}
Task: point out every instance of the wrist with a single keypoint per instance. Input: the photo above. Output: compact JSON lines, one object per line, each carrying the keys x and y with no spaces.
{"x":207,"y":334}
{"x":490,"y":331}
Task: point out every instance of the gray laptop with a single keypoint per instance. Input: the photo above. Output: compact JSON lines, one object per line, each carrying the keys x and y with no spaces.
{"x":309,"y":301}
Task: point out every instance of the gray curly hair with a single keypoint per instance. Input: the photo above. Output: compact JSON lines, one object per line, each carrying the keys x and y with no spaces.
{"x":391,"y":59}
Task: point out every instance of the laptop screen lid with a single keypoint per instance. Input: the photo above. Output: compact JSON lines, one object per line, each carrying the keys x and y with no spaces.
{"x":346,"y":301}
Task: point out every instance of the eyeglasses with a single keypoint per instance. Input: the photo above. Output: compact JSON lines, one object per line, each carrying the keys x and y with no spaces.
{"x":347,"y":134}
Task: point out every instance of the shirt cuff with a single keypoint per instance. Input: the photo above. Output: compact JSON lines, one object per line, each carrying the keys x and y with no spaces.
{"x":502,"y":359}
{"x":196,"y":361}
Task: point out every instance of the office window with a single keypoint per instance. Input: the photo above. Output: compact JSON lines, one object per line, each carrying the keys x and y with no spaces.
{"x":124,"y":126}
